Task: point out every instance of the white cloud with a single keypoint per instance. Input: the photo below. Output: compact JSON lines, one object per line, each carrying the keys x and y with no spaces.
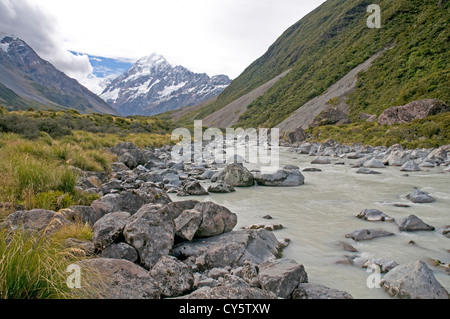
{"x":33,"y":24}
{"x":212,"y":36}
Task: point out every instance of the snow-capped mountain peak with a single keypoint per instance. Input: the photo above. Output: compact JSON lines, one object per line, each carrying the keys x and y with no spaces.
{"x":154,"y":86}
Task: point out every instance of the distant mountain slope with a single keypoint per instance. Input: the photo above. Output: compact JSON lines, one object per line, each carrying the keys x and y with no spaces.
{"x":334,"y":39}
{"x":153,"y":86}
{"x":29,"y":81}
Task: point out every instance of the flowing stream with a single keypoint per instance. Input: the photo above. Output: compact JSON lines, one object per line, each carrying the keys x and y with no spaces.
{"x":317,"y":215}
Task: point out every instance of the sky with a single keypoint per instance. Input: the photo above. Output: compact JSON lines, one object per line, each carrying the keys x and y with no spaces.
{"x":205,"y":36}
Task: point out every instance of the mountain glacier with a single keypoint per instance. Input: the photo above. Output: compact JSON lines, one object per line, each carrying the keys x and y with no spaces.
{"x":153,"y":86}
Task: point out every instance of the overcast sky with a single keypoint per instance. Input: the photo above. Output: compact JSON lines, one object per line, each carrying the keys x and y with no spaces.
{"x":211,"y":36}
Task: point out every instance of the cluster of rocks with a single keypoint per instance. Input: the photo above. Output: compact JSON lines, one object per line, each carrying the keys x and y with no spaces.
{"x":413,"y":280}
{"x":145,"y":245}
{"x":368,"y":158}
{"x":136,"y":167}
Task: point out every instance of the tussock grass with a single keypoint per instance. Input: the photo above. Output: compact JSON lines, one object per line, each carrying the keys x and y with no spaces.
{"x":35,"y":266}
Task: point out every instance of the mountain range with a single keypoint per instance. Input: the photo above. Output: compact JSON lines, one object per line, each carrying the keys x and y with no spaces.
{"x":28,"y":81}
{"x":154,"y":86}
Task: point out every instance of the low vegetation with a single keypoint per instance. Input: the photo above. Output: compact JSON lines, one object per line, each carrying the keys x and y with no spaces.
{"x":433,"y":131}
{"x":40,"y":153}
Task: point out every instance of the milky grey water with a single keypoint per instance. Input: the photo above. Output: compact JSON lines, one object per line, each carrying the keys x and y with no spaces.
{"x":317,"y":215}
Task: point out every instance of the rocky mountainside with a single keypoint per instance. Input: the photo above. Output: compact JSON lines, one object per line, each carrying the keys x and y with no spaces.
{"x":153,"y":86}
{"x":332,"y":41}
{"x":26,"y":80}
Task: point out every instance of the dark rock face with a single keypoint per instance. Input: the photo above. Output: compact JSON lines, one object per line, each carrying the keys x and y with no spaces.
{"x":412,"y":111}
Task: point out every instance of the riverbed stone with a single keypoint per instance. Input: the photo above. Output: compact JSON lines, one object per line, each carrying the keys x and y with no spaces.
{"x":174,"y":278}
{"x":151,"y":232}
{"x":420,"y":197}
{"x":288,"y":176}
{"x":374,"y":215}
{"x":374,"y":163}
{"x":120,"y":279}
{"x":120,"y":251}
{"x":129,"y":202}
{"x":368,"y":234}
{"x":231,"y":249}
{"x":367,"y":171}
{"x":232,"y":287}
{"x":282,"y":276}
{"x":194,"y":189}
{"x":410,"y":166}
{"x":318,"y":292}
{"x":236,"y":175}
{"x":322,"y":160}
{"x":413,"y":223}
{"x":108,"y":228}
{"x":221,"y":188}
{"x":37,"y":220}
{"x":384,"y":265}
{"x":413,"y":281}
{"x":216,"y":220}
{"x":187,"y":224}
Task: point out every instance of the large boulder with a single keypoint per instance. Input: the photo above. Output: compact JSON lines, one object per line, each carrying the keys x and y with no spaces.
{"x":413,"y":281}
{"x":173,"y":277}
{"x":216,"y":220}
{"x":232,"y":287}
{"x":118,"y":279}
{"x":288,"y":176}
{"x":109,"y":228}
{"x":230,"y":249}
{"x":236,"y":175}
{"x":176,"y":208}
{"x":129,"y":202}
{"x":120,"y":251}
{"x":412,"y":111}
{"x":282,"y":276}
{"x":413,"y":223}
{"x":151,"y":232}
{"x":316,"y":292}
{"x":187,"y":224}
{"x":37,"y":220}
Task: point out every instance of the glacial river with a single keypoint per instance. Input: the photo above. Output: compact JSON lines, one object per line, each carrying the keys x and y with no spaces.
{"x":317,"y":215}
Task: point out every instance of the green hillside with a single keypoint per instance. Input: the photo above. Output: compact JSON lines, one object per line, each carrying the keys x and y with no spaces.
{"x":332,"y":40}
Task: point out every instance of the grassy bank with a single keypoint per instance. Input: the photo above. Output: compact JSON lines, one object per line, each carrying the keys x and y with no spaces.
{"x":433,"y":131}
